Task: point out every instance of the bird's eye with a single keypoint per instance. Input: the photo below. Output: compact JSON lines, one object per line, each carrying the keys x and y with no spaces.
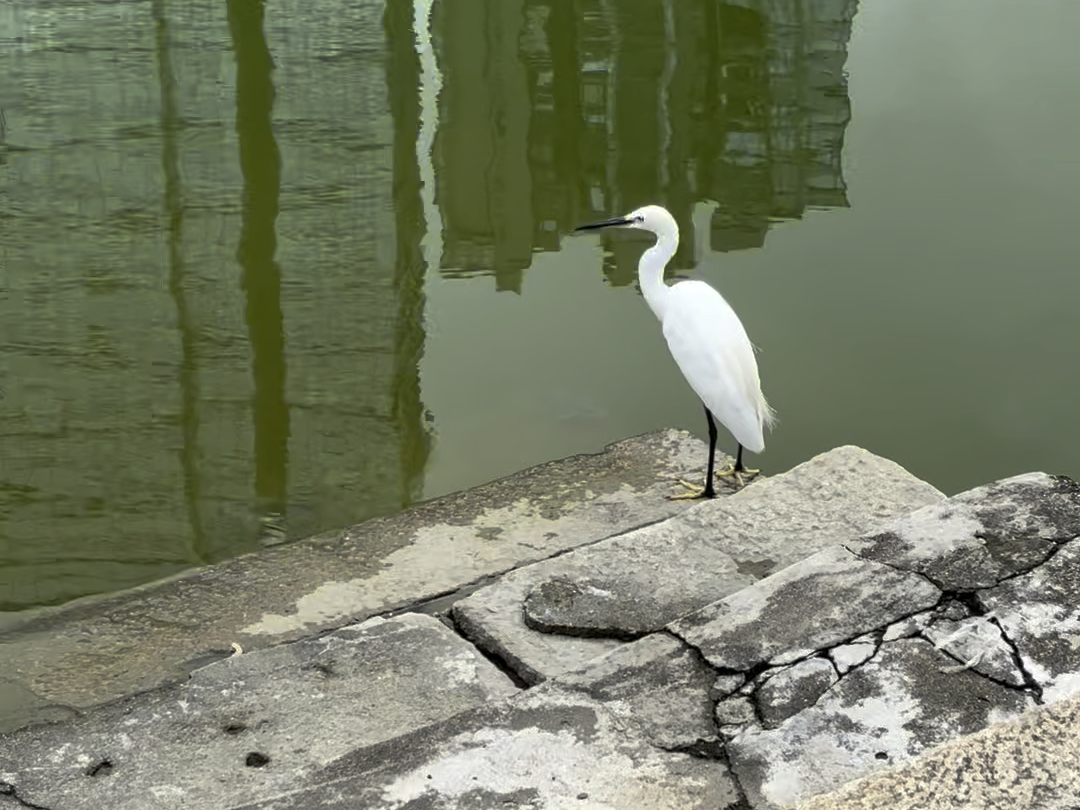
{"x":639,"y":218}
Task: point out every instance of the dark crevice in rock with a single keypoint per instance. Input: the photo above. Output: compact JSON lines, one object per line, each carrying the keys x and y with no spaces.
{"x":439,"y":603}
{"x":1030,"y":687}
{"x":1058,"y":543}
{"x":701,"y":749}
{"x":756,"y":670}
{"x":875,"y":635}
{"x":7,"y":789}
{"x":696,"y":650}
{"x":1030,"y":684}
{"x":500,"y":663}
{"x":556,"y":554}
{"x":714,"y":749}
{"x":878,"y":642}
{"x":699,"y":656}
{"x":826,"y":653}
{"x":969,"y":599}
{"x":749,"y":675}
{"x":836,"y":668}
{"x":896,"y":567}
{"x":743,"y":802}
{"x":759,"y":715}
{"x":103,"y":767}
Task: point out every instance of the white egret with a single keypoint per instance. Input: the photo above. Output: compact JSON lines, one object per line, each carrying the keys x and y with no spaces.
{"x":707,"y":340}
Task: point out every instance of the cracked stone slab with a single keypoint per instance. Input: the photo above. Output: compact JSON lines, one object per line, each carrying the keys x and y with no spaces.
{"x":248,"y":727}
{"x":913,"y":625}
{"x":887,"y":712}
{"x":590,"y":608}
{"x":540,"y":750}
{"x":982,"y":536}
{"x":1040,"y":613}
{"x":102,"y":648}
{"x":848,"y":656}
{"x":659,"y":683}
{"x":651,"y":576}
{"x":977,"y":643}
{"x":823,"y":601}
{"x":794,"y":688}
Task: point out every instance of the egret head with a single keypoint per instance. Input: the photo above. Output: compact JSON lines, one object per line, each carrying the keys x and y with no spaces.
{"x":649,"y":218}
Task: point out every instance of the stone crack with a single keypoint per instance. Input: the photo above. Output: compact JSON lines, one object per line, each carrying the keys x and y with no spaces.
{"x":895,"y":567}
{"x":507,"y":668}
{"x":8,"y":789}
{"x":1030,"y":684}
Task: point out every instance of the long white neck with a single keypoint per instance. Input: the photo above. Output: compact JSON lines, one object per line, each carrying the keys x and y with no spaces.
{"x":651,"y":272}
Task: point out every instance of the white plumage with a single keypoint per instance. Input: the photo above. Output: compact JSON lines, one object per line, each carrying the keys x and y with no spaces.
{"x":705,"y":337}
{"x":725,"y":378}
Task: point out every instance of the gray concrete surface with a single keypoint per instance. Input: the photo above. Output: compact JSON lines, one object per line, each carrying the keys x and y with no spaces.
{"x":815,"y":604}
{"x":100,"y":649}
{"x":552,"y":751}
{"x":896,"y":706}
{"x":639,"y":581}
{"x":659,"y":684}
{"x":980,"y":537}
{"x":816,"y":682}
{"x":254,"y":724}
{"x":1039,"y":614}
{"x":968,"y":606}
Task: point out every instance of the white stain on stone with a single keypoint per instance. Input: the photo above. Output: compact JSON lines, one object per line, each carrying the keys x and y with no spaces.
{"x":559,"y":767}
{"x":163,"y":792}
{"x":820,"y":755}
{"x":937,"y":529}
{"x":460,"y":670}
{"x":849,"y":656}
{"x":441,"y":558}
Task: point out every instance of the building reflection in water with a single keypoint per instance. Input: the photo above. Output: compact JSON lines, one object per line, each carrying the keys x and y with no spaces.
{"x":228,"y":331}
{"x":554,"y":112}
{"x":225,"y":334}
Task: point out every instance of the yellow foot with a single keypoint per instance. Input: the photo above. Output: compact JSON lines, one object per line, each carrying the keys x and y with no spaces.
{"x":741,"y":476}
{"x":693,"y":492}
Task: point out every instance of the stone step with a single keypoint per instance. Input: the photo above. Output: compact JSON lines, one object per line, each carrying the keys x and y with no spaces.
{"x":254,"y":724}
{"x":104,"y":648}
{"x":676,"y":719}
{"x":535,"y":751}
{"x":887,"y":640}
{"x":636,"y":583}
{"x":976,"y":622}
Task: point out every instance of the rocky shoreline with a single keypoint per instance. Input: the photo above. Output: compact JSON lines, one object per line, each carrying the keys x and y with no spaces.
{"x":568,"y":637}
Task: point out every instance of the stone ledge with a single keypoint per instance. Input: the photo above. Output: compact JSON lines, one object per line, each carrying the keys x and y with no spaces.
{"x":100,"y":649}
{"x":832,"y":671}
{"x":638,"y":582}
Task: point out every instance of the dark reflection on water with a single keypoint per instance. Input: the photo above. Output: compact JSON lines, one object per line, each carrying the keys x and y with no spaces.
{"x":260,"y":164}
{"x":403,"y":81}
{"x":211,"y":287}
{"x":552,"y":113}
{"x":211,"y":264}
{"x":187,"y":368}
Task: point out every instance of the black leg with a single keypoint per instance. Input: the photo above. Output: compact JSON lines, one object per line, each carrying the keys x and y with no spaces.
{"x":709,"y":492}
{"x":738,"y":461}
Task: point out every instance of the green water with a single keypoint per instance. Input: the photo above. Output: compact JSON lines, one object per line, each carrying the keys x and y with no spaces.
{"x":271,"y":270}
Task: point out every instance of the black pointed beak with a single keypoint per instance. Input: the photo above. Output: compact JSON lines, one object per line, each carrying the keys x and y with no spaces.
{"x":607,"y":223}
